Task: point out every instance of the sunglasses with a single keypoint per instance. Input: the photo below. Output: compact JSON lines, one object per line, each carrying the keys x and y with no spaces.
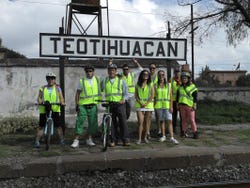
{"x":152,"y":68}
{"x":89,"y":71}
{"x":125,"y":69}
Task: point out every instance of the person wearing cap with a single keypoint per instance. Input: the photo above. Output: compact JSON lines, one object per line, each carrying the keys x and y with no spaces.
{"x":176,"y":82}
{"x":87,"y":94}
{"x":129,"y":78}
{"x":50,"y":93}
{"x":116,"y":91}
{"x":187,"y":104}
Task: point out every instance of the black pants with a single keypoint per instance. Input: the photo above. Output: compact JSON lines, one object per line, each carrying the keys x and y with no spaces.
{"x":174,"y":116}
{"x":128,"y":109}
{"x":119,"y":121}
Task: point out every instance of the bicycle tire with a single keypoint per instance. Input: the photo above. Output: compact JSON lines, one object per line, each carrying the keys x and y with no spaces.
{"x":106,"y":131}
{"x":48,"y":133}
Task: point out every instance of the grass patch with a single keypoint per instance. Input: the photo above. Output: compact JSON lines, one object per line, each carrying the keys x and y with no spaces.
{"x":222,"y":112}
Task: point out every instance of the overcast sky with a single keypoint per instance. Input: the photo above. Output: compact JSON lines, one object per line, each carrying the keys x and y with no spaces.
{"x":22,"y":21}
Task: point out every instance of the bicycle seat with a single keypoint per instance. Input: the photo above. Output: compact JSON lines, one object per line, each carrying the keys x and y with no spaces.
{"x":106,"y":105}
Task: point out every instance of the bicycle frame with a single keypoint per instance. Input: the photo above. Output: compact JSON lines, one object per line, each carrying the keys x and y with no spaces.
{"x":49,"y":126}
{"x":106,"y":124}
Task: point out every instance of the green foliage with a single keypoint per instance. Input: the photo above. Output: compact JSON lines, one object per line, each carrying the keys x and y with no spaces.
{"x":18,"y":124}
{"x":243,"y":81}
{"x":222,"y":112}
{"x":206,"y":80}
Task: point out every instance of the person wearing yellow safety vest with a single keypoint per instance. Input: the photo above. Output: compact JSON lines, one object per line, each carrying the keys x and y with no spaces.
{"x":164,"y":106}
{"x":144,"y":95}
{"x":176,"y":82}
{"x":154,"y":79}
{"x":187,"y":103}
{"x":116,"y":91}
{"x":129,"y":78}
{"x":50,"y":93}
{"x":87,"y":94}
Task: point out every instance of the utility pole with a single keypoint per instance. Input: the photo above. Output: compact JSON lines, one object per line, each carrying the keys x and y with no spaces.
{"x":61,"y":72}
{"x":192,"y":40}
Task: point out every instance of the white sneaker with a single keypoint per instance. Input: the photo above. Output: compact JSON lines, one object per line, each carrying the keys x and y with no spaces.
{"x":75,"y":144}
{"x":90,"y":142}
{"x":174,"y":141}
{"x":163,"y":139}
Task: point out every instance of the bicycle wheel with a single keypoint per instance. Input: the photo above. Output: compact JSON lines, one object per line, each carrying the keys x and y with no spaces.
{"x":106,"y":130}
{"x":48,"y":133}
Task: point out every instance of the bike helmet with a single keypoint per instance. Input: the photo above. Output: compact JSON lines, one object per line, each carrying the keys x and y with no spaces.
{"x":112,"y":66}
{"x":88,"y":67}
{"x":50,"y":75}
{"x":185,"y":74}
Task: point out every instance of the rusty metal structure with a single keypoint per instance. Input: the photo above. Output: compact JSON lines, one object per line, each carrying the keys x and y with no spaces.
{"x":91,"y":8}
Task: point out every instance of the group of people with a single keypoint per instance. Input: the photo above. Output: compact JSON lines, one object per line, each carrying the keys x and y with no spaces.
{"x":152,"y":92}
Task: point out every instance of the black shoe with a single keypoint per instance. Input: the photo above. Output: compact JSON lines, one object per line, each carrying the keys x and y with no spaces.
{"x":196,"y":135}
{"x":184,"y":134}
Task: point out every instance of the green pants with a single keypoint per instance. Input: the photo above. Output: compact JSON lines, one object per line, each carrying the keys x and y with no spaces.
{"x":91,"y":114}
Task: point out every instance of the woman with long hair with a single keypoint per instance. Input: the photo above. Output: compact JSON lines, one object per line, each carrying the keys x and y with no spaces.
{"x":163,"y":105}
{"x":144,"y":95}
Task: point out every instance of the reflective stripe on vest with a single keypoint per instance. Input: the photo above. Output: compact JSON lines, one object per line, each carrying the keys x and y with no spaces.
{"x":144,"y":94}
{"x":185,"y":96}
{"x":113,"y":92}
{"x":89,"y":93}
{"x":162,"y":98}
{"x":52,"y":98}
{"x":130,"y":82}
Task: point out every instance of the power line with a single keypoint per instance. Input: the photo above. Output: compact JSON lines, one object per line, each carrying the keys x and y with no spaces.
{"x":38,"y":2}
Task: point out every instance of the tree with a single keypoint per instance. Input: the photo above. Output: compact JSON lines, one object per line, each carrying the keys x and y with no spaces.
{"x":243,"y":81}
{"x":232,"y":15}
{"x":206,"y":80}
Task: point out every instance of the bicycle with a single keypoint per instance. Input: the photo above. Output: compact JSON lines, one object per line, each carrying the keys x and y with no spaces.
{"x":49,"y":126}
{"x":106,"y":124}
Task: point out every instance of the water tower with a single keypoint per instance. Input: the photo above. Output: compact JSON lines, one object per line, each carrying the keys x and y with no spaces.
{"x":91,"y":8}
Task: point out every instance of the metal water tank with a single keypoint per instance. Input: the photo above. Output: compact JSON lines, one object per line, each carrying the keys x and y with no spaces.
{"x":86,"y":6}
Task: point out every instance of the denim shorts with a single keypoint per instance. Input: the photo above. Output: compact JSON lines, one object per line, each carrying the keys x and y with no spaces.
{"x":164,"y":114}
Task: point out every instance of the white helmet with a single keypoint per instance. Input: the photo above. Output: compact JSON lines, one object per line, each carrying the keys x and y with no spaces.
{"x":50,"y":74}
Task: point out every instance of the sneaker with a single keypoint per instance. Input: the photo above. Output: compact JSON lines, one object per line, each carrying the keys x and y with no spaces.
{"x":138,"y":142}
{"x":163,"y":139}
{"x":174,"y":141}
{"x":184,"y":134}
{"x":126,"y":143}
{"x":37,"y":144}
{"x":90,"y":142}
{"x":112,"y":144}
{"x":75,"y":144}
{"x":148,"y":136}
{"x":146,"y":141}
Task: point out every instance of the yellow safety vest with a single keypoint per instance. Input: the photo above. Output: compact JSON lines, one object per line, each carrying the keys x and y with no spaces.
{"x":162,"y":97}
{"x":52,"y":98}
{"x":185,"y":95}
{"x":130,"y":82}
{"x":113,"y":92}
{"x":175,"y":87}
{"x":144,"y":94}
{"x":90,"y":93}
